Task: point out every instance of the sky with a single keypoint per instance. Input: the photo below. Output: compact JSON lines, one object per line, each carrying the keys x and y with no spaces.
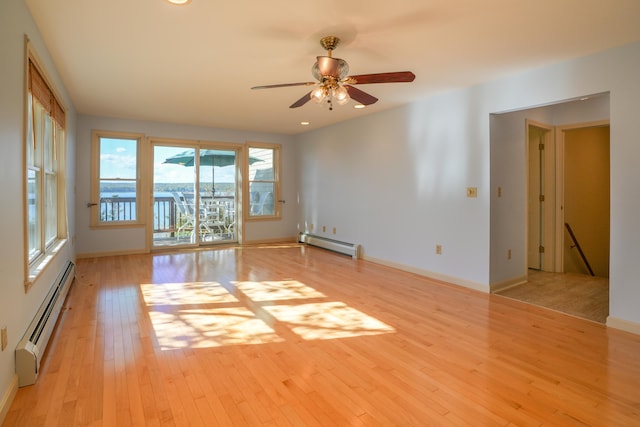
{"x":118,"y":160}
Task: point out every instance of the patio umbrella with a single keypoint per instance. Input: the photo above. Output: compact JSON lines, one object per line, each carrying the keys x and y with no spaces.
{"x":214,"y":158}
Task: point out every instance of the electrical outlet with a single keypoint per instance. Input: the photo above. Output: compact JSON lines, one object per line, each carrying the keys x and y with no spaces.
{"x":509,"y":254}
{"x":3,"y":337}
{"x":439,"y":249}
{"x":472,"y":191}
{"x":311,"y":227}
{"x":334,"y":230}
{"x":499,"y":191}
{"x":324,"y":228}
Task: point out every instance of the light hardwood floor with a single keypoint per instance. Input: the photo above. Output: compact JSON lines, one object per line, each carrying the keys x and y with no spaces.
{"x":279,"y":336}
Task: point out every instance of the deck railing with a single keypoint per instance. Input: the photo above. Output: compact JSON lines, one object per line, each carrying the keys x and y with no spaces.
{"x":167,"y":218}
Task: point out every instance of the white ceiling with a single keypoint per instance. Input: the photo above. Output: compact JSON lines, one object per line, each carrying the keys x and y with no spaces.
{"x":195,"y":64}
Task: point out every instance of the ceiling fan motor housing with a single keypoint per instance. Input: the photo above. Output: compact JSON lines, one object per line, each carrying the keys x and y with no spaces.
{"x":325,"y":66}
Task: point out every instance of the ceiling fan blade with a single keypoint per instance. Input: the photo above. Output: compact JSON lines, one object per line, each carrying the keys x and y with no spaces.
{"x":300,"y":102}
{"x":284,"y":85}
{"x":362,"y":97}
{"x":396,"y":77}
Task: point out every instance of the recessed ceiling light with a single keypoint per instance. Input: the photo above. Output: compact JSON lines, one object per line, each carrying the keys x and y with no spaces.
{"x":358,"y":106}
{"x":179,"y":2}
{"x":304,"y":123}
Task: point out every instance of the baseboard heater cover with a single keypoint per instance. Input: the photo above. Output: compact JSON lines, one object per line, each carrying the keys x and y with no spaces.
{"x":350,"y":249}
{"x":34,"y":342}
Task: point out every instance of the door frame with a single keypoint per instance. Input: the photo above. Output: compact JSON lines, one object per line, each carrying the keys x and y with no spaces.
{"x":198,"y":145}
{"x":560,"y":137}
{"x":549,"y":188}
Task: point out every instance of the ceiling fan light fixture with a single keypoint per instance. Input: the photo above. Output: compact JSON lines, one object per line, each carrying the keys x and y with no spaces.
{"x":341,"y":95}
{"x":318,"y":94}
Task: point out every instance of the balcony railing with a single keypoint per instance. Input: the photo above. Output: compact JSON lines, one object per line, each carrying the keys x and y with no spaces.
{"x":167,"y":218}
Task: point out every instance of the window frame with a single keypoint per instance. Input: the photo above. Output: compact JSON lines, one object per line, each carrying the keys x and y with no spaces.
{"x":44,"y":155}
{"x":95,"y":221}
{"x":277,"y":184}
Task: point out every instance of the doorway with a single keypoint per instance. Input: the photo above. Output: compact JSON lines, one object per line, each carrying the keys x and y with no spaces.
{"x":567,"y":220}
{"x":568,"y":198}
{"x":194,"y":194}
{"x":586,"y":187}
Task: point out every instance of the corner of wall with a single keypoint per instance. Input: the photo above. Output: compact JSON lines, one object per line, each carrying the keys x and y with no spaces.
{"x":506,"y":284}
{"x":7,"y":398}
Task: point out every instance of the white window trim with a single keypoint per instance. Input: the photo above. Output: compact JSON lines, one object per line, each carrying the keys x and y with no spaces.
{"x":94,"y":204}
{"x":277,"y":174}
{"x":33,"y":268}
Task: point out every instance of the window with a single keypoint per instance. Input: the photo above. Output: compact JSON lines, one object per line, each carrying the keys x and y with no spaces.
{"x":45,"y":201}
{"x":115,"y":186}
{"x":264,"y":181}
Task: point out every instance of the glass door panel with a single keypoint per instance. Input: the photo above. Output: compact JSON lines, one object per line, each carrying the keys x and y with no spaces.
{"x":174,"y":186}
{"x":194,"y":194}
{"x":217,"y":195}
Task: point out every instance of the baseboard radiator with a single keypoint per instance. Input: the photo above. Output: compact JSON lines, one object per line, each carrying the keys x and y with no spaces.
{"x":345,"y":248}
{"x":32,"y":346}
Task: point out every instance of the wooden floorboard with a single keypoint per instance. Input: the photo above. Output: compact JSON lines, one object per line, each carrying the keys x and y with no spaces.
{"x":299,"y":336}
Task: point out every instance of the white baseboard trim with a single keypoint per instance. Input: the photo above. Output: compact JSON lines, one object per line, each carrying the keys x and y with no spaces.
{"x":7,"y":399}
{"x":506,"y":284}
{"x":624,"y":325}
{"x":430,"y":274}
{"x":276,"y":241}
{"x":111,"y":253}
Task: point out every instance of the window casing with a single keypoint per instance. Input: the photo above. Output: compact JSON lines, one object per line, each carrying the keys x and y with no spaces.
{"x":44,"y":147}
{"x":263,"y":181}
{"x":115,"y":183}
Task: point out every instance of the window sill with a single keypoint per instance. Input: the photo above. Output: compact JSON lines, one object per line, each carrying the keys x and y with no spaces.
{"x":263,"y":218}
{"x":40,"y":264}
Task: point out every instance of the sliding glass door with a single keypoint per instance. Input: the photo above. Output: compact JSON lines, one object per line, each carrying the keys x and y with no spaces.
{"x":194,"y":195}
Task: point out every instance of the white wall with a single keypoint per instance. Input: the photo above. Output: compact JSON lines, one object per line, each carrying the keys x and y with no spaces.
{"x":16,"y":307}
{"x":395,"y":181}
{"x":126,"y":240}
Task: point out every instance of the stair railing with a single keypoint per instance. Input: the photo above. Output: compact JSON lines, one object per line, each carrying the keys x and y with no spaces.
{"x":577,"y":246}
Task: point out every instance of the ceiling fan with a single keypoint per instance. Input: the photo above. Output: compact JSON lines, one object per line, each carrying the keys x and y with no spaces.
{"x":334,"y":85}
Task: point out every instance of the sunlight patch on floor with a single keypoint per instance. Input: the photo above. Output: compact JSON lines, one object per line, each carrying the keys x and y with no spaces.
{"x":186,"y":293}
{"x":204,"y":328}
{"x":277,"y":290}
{"x":328,"y":320}
{"x":206,"y":314}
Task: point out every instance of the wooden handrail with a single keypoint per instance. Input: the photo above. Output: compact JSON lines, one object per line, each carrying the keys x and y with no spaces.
{"x":577,"y":245}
